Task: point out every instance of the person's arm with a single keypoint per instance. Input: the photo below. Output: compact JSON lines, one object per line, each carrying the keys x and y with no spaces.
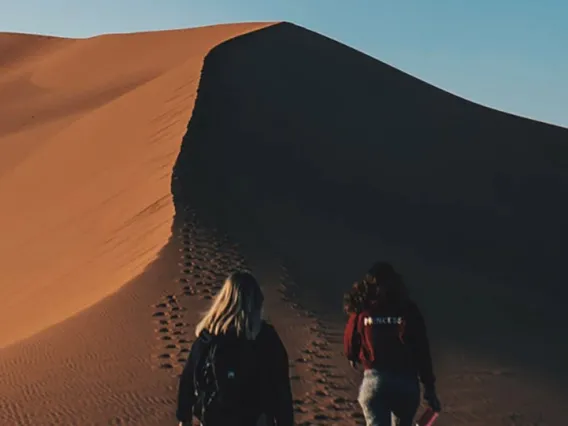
{"x":186,"y":393}
{"x":281,"y":406}
{"x":421,"y":349}
{"x":352,"y":339}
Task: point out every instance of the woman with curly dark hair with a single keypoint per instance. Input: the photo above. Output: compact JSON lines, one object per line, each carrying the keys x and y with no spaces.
{"x":386,"y":333}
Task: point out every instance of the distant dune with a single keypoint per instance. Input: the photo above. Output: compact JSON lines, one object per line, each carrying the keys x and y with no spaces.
{"x":304,"y":160}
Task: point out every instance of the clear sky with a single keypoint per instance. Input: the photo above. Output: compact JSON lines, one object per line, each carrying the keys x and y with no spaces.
{"x":507,"y":54}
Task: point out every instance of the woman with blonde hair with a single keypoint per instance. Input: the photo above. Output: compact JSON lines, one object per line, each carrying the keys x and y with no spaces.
{"x":237,"y":368}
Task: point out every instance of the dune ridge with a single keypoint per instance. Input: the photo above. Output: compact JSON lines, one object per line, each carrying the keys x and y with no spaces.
{"x":303,"y":160}
{"x":332,"y":159}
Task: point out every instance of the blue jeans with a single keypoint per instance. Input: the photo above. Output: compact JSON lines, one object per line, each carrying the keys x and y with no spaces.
{"x":389,"y":398}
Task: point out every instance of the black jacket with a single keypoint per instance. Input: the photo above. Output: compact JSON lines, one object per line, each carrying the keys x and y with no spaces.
{"x":270,"y":393}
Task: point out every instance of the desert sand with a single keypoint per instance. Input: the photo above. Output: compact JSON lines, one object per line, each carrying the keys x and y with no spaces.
{"x":137,"y":170}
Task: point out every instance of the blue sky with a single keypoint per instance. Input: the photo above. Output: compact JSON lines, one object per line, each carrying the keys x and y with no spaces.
{"x":509,"y":55}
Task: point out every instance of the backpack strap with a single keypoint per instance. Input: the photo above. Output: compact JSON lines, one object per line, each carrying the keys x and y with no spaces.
{"x":202,"y":346}
{"x":357,"y":322}
{"x":356,"y":335}
{"x":206,"y":337}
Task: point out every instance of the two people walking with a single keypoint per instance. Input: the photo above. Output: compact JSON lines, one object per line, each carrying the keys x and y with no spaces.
{"x":238,"y":370}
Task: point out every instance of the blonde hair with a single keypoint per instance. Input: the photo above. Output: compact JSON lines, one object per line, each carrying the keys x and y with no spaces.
{"x":238,"y":306}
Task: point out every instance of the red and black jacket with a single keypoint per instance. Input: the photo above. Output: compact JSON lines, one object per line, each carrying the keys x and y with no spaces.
{"x":390,"y":339}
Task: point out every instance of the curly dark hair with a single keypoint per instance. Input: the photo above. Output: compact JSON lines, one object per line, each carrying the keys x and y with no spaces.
{"x":381,"y":285}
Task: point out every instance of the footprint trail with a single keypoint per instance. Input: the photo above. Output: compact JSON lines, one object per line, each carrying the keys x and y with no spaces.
{"x":322,"y":395}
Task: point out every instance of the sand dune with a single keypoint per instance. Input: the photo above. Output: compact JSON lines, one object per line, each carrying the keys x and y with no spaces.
{"x":304,"y":160}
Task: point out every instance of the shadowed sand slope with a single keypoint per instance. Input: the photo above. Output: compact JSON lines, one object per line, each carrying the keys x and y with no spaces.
{"x":89,"y":132}
{"x":330,"y":160}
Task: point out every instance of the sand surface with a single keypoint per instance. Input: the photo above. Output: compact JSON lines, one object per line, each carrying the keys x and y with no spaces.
{"x":137,"y":170}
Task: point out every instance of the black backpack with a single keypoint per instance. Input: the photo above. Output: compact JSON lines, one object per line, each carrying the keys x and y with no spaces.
{"x":223,"y":378}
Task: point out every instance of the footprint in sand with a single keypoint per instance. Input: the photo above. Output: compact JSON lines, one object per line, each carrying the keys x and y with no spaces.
{"x":188,"y":291}
{"x":170,"y":326}
{"x":322,"y":405}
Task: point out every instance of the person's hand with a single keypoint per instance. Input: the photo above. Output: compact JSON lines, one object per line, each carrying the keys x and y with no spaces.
{"x":431,"y":398}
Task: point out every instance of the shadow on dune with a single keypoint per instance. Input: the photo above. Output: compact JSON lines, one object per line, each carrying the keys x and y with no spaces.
{"x":322,"y":151}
